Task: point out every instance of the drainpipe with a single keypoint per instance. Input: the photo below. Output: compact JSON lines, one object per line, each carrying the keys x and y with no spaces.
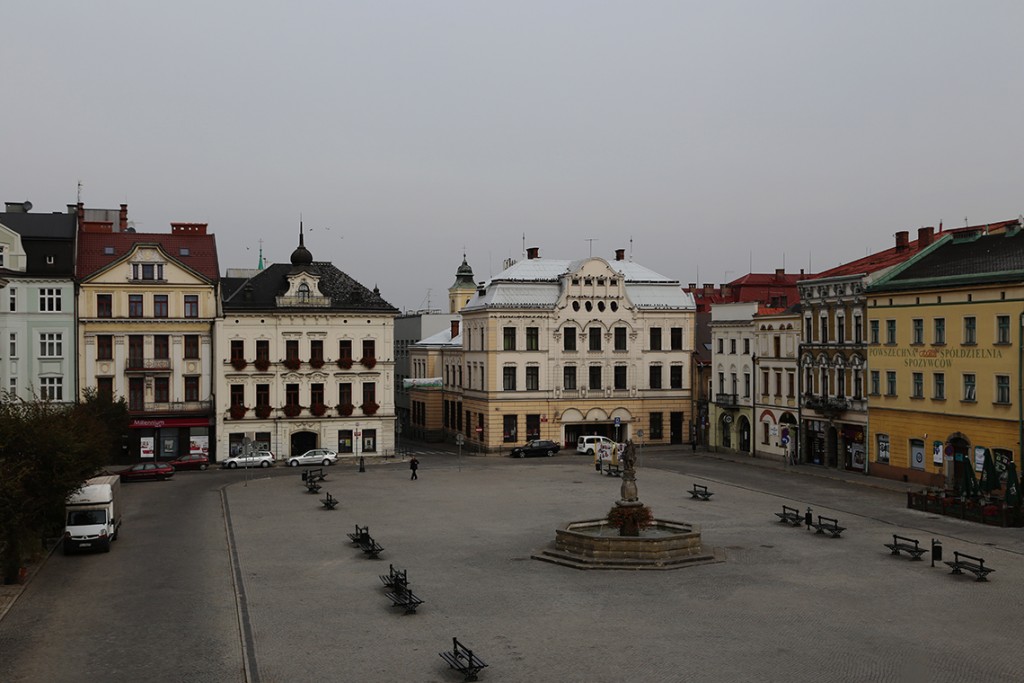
{"x":753,"y":408}
{"x":1020,"y":394}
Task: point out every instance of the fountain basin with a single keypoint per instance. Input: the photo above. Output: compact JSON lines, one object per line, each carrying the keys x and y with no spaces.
{"x":593,"y":544}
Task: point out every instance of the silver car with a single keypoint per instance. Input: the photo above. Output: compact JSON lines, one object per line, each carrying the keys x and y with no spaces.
{"x":316,"y":456}
{"x":254,"y":459}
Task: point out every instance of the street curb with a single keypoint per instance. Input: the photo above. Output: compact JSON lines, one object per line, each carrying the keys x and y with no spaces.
{"x":4,"y":609}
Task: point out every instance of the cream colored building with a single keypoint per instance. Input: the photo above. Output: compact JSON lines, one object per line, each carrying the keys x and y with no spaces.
{"x":776,"y":398}
{"x":305,"y":359}
{"x":556,"y":349}
{"x":731,"y":414}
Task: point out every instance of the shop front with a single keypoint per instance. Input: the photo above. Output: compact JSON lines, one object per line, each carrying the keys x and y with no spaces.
{"x":168,"y":438}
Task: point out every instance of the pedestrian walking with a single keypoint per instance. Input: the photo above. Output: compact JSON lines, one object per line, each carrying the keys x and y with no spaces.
{"x":414,"y":465}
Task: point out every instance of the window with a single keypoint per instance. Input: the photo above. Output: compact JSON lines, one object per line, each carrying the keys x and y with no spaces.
{"x":345,"y":441}
{"x":595,"y":338}
{"x":508,"y":378}
{"x":875,"y":383}
{"x":823,"y":329}
{"x":940,"y":386}
{"x":237,"y":349}
{"x":345,"y":349}
{"x":14,"y":345}
{"x":918,"y":331}
{"x":13,"y":298}
{"x":369,"y":348}
{"x":970,"y":330}
{"x":890,"y":331}
{"x":969,"y":387}
{"x":808,"y":330}
{"x":940,"y":331}
{"x":655,"y":374}
{"x":620,"y":377}
{"x":873,"y":333}
{"x":191,"y":388}
{"x":1002,"y":329}
{"x":291,"y":349}
{"x":883,"y":448}
{"x":263,"y":350}
{"x":569,"y":339}
{"x":917,"y":390}
{"x":105,"y":387}
{"x":369,"y":440}
{"x":238,"y":395}
{"x":49,"y":300}
{"x":159,"y":305}
{"x":316,"y":394}
{"x":136,"y":393}
{"x":147,"y":271}
{"x":134,"y":306}
{"x":746,"y":347}
{"x":721,"y":382}
{"x":369,"y":392}
{"x":509,"y":428}
{"x":858,"y":384}
{"x":533,"y":426}
{"x":721,"y":345}
{"x":162,"y":389}
{"x":3,"y":255}
{"x":291,"y":394}
{"x":569,"y":378}
{"x":675,"y":377}
{"x":655,"y":338}
{"x":790,"y":383}
{"x":345,"y":393}
{"x":303,"y":293}
{"x":732,"y":346}
{"x":191,"y":305}
{"x":104,"y":347}
{"x":657,"y":431}
{"x":746,"y":385}
{"x":840,"y":382}
{"x":192,"y":346}
{"x":51,"y":345}
{"x":509,"y":339}
{"x":161,"y":346}
{"x":532,"y":378}
{"x":890,"y":382}
{"x":1003,"y":389}
{"x":595,"y":377}
{"x":840,"y":329}
{"x":620,"y":338}
{"x":532,"y":338}
{"x":51,"y":388}
{"x":316,"y":351}
{"x":858,"y":331}
{"x":676,"y":338}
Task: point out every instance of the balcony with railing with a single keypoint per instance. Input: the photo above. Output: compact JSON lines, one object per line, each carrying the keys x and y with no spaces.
{"x":138,"y":364}
{"x":727,"y":400}
{"x":176,"y":407}
{"x":830,"y":406}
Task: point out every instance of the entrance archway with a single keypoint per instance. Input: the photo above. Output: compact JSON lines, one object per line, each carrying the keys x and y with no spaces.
{"x":961,"y":448}
{"x":743,"y":424}
{"x":725,"y":429}
{"x":302,"y":442}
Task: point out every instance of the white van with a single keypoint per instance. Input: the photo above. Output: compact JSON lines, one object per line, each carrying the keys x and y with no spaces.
{"x":590,"y":444}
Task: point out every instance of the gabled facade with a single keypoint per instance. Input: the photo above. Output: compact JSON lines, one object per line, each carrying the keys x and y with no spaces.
{"x":776,"y":399}
{"x":37,"y":307}
{"x":304,"y":360}
{"x":557,"y":349}
{"x":945,"y":365}
{"x":146,"y":304}
{"x":731,"y":412}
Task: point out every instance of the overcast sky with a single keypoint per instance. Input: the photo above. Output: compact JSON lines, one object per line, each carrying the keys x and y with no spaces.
{"x":706,"y":138}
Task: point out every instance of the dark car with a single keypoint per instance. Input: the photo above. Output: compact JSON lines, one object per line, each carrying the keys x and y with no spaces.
{"x":194,"y":461}
{"x":147,"y":471}
{"x":536,"y":447}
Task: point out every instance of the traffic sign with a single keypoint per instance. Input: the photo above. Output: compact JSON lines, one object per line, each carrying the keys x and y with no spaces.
{"x":479,"y":430}
{"x":618,"y":421}
{"x":459,"y":439}
{"x":785,"y":440}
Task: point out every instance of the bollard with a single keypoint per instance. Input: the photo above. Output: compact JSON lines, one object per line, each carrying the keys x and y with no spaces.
{"x":808,"y":518}
{"x":936,"y":551}
{"x":362,"y":464}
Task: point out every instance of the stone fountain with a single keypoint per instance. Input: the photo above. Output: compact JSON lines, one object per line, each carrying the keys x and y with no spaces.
{"x":597,"y":544}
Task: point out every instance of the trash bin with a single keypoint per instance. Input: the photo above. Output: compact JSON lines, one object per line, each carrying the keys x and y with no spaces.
{"x":936,"y":551}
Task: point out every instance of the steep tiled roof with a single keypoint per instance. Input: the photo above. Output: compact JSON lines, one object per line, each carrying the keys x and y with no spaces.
{"x":260,"y":292}
{"x":93,"y":248}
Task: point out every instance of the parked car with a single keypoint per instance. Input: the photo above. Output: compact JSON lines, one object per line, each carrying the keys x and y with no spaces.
{"x":194,"y":461}
{"x":147,"y":471}
{"x":590,"y":444}
{"x":316,"y":456}
{"x":254,"y":459}
{"x":535,"y":447}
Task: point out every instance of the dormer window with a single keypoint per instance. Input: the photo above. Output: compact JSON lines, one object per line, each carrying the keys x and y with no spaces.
{"x":588,"y":281}
{"x":183,"y":251}
{"x":304,"y":293}
{"x":3,"y":255}
{"x":109,"y":251}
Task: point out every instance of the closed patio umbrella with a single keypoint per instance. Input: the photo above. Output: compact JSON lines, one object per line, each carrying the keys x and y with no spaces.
{"x":1012,"y":485}
{"x":989,"y":474}
{"x":971,"y":489}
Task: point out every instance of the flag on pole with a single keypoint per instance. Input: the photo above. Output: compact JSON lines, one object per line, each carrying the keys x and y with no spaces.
{"x":989,"y":473}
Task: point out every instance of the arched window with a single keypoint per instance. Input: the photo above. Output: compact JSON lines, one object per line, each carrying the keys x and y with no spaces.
{"x":304,"y":293}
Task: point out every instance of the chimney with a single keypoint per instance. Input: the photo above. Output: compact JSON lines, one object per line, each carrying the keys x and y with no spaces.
{"x":455,"y":329}
{"x":532,"y":253}
{"x":188,"y":228}
{"x":902,"y":240}
{"x":726,"y":291}
{"x":708,"y":286}
{"x":693,"y":285}
{"x":122,"y":218}
{"x":925,"y":237}
{"x":780,"y":273}
{"x":620,"y":254}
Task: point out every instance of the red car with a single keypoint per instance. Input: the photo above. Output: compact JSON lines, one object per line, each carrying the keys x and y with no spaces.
{"x":195,"y":461}
{"x":147,"y":471}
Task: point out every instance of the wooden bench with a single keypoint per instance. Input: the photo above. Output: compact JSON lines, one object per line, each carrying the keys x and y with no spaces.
{"x":314,"y":475}
{"x":394,"y":577}
{"x":907,"y":545}
{"x":312,"y":486}
{"x":790,"y":516}
{"x":700,"y":492}
{"x":462,"y":659}
{"x":370,"y":547}
{"x":975,"y":565}
{"x":611,"y":470}
{"x":330,"y":502}
{"x":361,"y":533}
{"x":404,"y":598}
{"x":828,"y":524}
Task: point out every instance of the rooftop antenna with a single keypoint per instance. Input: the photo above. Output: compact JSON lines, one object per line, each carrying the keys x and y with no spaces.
{"x":524,"y":246}
{"x":428,"y":298}
{"x":79,"y":191}
{"x":631,"y":248}
{"x":591,"y":240}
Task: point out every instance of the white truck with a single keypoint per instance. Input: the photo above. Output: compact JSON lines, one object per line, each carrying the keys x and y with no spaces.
{"x":93,"y":515}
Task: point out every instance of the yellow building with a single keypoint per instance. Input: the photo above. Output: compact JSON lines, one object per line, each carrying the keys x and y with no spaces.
{"x":944,"y":357}
{"x":557,"y":349}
